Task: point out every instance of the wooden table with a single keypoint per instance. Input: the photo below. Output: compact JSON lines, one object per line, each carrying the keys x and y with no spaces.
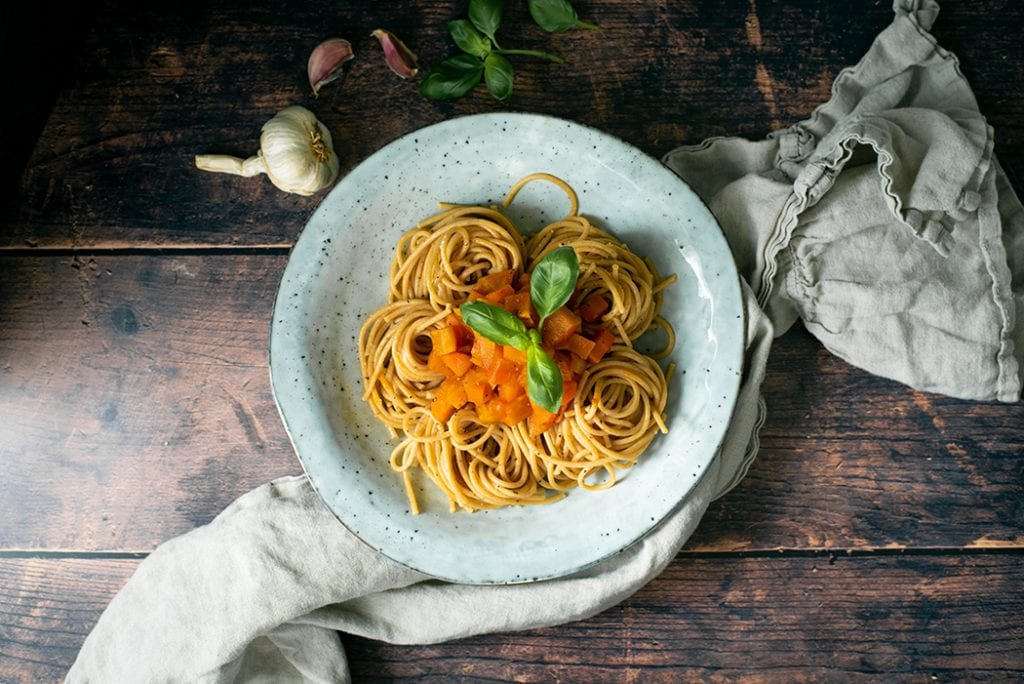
{"x":879,"y":534}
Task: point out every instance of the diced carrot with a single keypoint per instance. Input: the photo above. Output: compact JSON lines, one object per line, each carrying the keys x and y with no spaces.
{"x":511,"y":390}
{"x":444,"y":340}
{"x":491,"y":412}
{"x":453,"y":392}
{"x":593,"y":307}
{"x":458,"y":362}
{"x":514,"y":355}
{"x":463,"y":333}
{"x":498,"y":296}
{"x":478,"y":390}
{"x":564,"y":362}
{"x":569,"y":388}
{"x":503,"y":372}
{"x":540,"y":420}
{"x":579,"y":345}
{"x":520,"y":305}
{"x":485,"y":352}
{"x":518,"y":409}
{"x":492,"y":281}
{"x":602,"y":343}
{"x":560,"y":326}
{"x":435,"y":362}
{"x":441,"y":410}
{"x":578,"y":365}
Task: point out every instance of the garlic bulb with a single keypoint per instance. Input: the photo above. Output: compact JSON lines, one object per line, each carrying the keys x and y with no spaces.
{"x":296,"y":152}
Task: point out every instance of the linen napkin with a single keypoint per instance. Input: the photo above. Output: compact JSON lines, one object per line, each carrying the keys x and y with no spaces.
{"x":884,"y":222}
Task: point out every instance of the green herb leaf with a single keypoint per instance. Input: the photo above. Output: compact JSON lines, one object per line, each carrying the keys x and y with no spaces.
{"x":556,"y":15}
{"x":486,"y":16}
{"x":452,"y":78}
{"x":553,"y":280}
{"x":543,"y":380}
{"x":496,"y":324}
{"x":498,"y":76}
{"x":468,"y":39}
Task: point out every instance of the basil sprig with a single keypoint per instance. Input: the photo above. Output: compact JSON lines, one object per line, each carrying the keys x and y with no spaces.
{"x":551,"y":284}
{"x":481,"y":57}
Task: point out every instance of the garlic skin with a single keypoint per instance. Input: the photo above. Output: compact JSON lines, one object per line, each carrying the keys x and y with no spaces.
{"x":326,"y":61}
{"x":399,"y":58}
{"x":296,"y":153}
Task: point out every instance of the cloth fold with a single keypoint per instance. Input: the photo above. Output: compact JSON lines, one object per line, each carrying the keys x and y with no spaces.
{"x":884,"y":222}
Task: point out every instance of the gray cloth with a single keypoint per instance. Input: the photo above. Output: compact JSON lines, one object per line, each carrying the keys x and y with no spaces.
{"x":883,"y":222}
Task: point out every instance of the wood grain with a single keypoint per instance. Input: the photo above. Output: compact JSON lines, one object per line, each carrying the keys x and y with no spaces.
{"x":135,"y":396}
{"x":879,"y":535}
{"x":114,"y":166}
{"x":707,"y":618}
{"x":137,"y":403}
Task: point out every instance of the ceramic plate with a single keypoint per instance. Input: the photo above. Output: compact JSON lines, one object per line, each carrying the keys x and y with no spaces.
{"x":337,"y":275}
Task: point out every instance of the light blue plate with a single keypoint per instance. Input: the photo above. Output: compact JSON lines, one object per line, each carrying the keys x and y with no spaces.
{"x":337,"y":275}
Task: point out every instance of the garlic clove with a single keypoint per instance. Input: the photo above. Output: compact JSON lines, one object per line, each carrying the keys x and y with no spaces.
{"x":326,"y":60}
{"x":398,"y":57}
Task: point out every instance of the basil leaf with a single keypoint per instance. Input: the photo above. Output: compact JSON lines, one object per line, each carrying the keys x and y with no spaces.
{"x":452,"y":78}
{"x":556,"y":15}
{"x":468,"y":39}
{"x":553,"y":280}
{"x":496,"y":324}
{"x":486,"y":16}
{"x":498,"y":76}
{"x":543,"y":380}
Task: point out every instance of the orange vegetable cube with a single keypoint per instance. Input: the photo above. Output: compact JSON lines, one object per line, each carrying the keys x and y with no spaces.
{"x":478,"y":390}
{"x":493,"y":281}
{"x":441,"y":410}
{"x":485,"y":352}
{"x":579,"y":345}
{"x":514,"y":355}
{"x":435,"y":362}
{"x":603,"y":341}
{"x":560,"y":326}
{"x":444,"y":340}
{"x":569,"y":389}
{"x":540,"y":420}
{"x":491,"y":412}
{"x":578,"y":365}
{"x":593,"y":307}
{"x":502,"y":372}
{"x":458,"y":363}
{"x":498,"y":296}
{"x":452,"y":392}
{"x":518,"y":409}
{"x":564,"y":362}
{"x":511,"y":390}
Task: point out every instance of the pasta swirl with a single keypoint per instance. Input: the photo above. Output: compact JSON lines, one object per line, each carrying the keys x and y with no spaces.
{"x":618,"y":407}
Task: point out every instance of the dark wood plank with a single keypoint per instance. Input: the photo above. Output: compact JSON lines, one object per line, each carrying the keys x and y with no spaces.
{"x":845,"y":455}
{"x":158,"y":83}
{"x":135,"y":396}
{"x":137,"y":405}
{"x":859,"y":618}
{"x":47,"y":608}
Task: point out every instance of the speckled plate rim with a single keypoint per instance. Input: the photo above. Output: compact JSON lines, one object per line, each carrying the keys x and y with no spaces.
{"x":340,"y":468}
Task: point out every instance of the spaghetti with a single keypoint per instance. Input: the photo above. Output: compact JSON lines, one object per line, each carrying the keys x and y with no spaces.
{"x":479,"y":462}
